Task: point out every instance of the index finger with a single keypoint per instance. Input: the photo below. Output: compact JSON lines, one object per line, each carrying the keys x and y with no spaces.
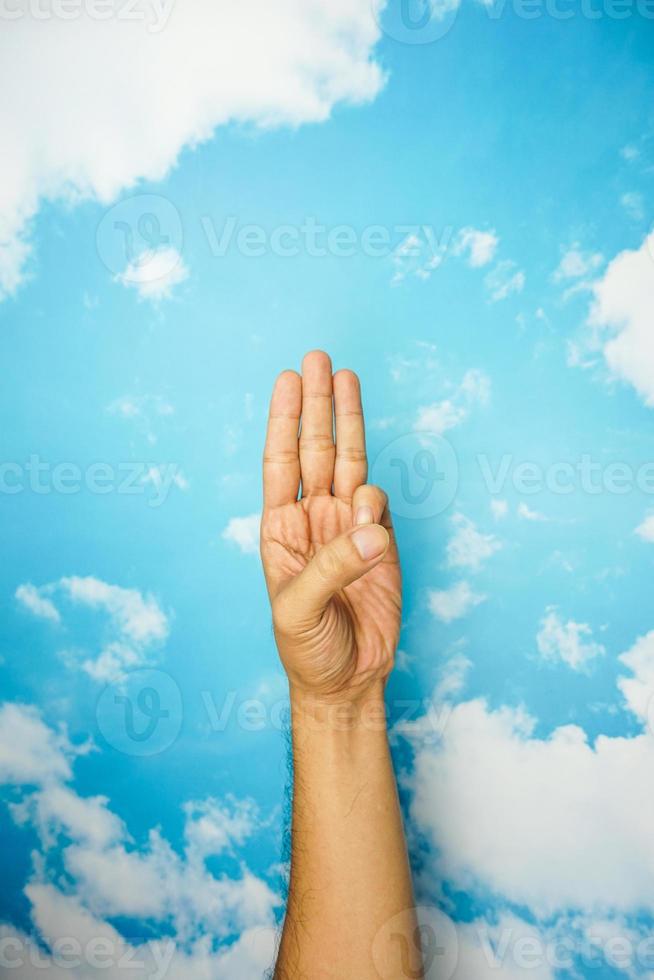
{"x":281,"y":461}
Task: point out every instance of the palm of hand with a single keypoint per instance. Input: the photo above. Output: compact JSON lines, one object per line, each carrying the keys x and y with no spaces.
{"x":349,"y":639}
{"x":359,"y":630}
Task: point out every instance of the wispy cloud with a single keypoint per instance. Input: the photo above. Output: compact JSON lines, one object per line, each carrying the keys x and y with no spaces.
{"x":577,"y":264}
{"x":453,"y":603}
{"x":244,"y":533}
{"x":108,"y":875}
{"x":569,"y":642}
{"x":504,"y":280}
{"x":634,"y":205}
{"x":154,"y":274}
{"x":439,"y":417}
{"x":91,"y":141}
{"x":468,"y":547}
{"x":528,"y":514}
{"x":144,"y":411}
{"x":37,"y":603}
{"x":479,"y":247}
{"x":621,"y":320}
{"x":137,"y":623}
{"x":645,"y":529}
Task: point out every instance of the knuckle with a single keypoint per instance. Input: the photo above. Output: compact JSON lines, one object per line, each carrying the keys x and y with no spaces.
{"x":316,"y":444}
{"x":350,"y":455}
{"x":285,"y":457}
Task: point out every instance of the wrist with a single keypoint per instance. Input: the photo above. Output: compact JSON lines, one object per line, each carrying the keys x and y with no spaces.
{"x":340,"y":713}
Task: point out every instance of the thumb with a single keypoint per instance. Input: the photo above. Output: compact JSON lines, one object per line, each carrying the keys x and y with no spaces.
{"x":337,"y":564}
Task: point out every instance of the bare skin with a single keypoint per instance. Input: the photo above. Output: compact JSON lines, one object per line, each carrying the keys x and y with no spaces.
{"x":333,"y":575}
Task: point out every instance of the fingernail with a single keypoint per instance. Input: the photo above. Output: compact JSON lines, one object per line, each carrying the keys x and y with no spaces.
{"x":370,"y":541}
{"x":364,"y":515}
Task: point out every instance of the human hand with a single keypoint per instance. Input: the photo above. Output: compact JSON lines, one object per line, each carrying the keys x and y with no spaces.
{"x":330,"y":558}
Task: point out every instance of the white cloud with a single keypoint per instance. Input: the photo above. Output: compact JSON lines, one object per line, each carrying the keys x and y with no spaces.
{"x":645,"y":530}
{"x":404,"y":661}
{"x":504,"y":280}
{"x":137,"y":406}
{"x":506,"y":949}
{"x":638,"y":690}
{"x":30,"y":751}
{"x":417,"y":255}
{"x":499,"y":509}
{"x":137,"y":622}
{"x":551,"y":824}
{"x":570,"y":642}
{"x":106,"y":874}
{"x":155,"y":273}
{"x":144,"y":411}
{"x":479,"y":246}
{"x":161,"y":478}
{"x":453,"y":678}
{"x":453,"y":603}
{"x":468,"y":547}
{"x":527,"y":514}
{"x":137,"y":617}
{"x":37,"y":603}
{"x":256,"y":64}
{"x":439,"y":417}
{"x":575,"y":264}
{"x":244,"y":533}
{"x":158,"y":884}
{"x":59,"y":916}
{"x":622,"y":317}
{"x":56,"y":809}
{"x":475,"y":387}
{"x":634,"y":205}
{"x":215,"y":826}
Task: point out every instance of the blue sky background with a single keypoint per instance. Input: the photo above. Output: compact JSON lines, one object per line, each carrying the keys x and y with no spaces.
{"x":534,"y":132}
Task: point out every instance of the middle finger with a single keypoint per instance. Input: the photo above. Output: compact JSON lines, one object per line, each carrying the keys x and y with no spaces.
{"x":317,"y":427}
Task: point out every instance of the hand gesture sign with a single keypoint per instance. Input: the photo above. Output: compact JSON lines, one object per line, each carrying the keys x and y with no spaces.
{"x":330,"y":557}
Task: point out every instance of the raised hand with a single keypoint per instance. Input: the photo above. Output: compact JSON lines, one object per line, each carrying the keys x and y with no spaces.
{"x":329,"y":557}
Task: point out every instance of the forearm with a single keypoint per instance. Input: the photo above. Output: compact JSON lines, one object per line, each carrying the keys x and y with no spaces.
{"x":349,"y":866}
